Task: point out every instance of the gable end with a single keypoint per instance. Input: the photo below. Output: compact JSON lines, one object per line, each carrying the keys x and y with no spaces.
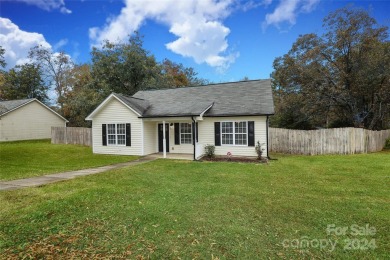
{"x":105,"y":102}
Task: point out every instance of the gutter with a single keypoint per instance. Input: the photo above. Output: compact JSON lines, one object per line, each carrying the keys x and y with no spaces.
{"x":168,"y":116}
{"x":230,"y":115}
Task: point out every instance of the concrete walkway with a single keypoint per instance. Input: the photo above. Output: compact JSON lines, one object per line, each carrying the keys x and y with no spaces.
{"x":56,"y":177}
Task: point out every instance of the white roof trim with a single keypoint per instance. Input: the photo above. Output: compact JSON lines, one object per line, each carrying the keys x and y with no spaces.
{"x":90,"y":116}
{"x":201,"y":114}
{"x":32,"y":100}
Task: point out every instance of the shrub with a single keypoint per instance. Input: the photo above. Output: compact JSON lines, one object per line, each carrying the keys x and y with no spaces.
{"x":387,"y":144}
{"x":209,"y":150}
{"x":259,"y":150}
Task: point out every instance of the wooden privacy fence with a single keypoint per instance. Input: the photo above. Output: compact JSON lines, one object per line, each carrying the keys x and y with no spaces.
{"x":71,"y":135}
{"x":326,"y":141}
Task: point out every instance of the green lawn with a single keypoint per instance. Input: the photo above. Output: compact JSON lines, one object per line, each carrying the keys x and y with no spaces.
{"x":38,"y":157}
{"x":205,"y":210}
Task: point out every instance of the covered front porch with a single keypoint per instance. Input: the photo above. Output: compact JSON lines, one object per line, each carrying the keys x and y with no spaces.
{"x":172,"y":138}
{"x":174,"y":156}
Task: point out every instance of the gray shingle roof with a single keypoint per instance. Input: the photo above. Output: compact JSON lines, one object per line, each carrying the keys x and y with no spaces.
{"x":10,"y":105}
{"x":137,"y":104}
{"x":227,"y":99}
{"x":7,"y":106}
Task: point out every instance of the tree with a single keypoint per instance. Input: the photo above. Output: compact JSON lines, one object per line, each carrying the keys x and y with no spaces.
{"x":24,"y":81}
{"x":2,"y":73}
{"x":2,"y":60}
{"x":122,"y":67}
{"x":55,"y":68}
{"x":176,"y":73}
{"x":127,"y":68}
{"x":340,"y":78}
{"x":82,"y":99}
{"x":179,"y":76}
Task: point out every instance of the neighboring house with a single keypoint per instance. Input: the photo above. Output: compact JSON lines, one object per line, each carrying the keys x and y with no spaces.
{"x":27,"y":119}
{"x":231,"y":116}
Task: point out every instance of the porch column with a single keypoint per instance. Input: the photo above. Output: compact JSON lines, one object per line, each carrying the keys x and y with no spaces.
{"x":164,"y":142}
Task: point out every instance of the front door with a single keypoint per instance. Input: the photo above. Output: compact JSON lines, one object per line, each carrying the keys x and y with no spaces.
{"x":160,"y":137}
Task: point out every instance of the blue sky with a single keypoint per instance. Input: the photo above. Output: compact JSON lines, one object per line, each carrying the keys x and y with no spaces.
{"x":223,"y":40}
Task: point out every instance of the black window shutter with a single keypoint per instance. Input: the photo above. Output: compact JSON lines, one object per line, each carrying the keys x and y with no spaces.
{"x":128,"y":135}
{"x":251,"y":133}
{"x":104,"y":134}
{"x":177,"y":133}
{"x":217,"y":133}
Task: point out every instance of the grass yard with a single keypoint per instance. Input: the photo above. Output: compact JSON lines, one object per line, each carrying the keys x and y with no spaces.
{"x":207,"y":210}
{"x":24,"y":159}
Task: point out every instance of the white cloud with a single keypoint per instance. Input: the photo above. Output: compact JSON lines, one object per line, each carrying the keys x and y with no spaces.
{"x":309,"y":5}
{"x":246,"y":5}
{"x":61,"y":43}
{"x":76,"y":51}
{"x":17,"y":43}
{"x":287,"y":11}
{"x":48,"y":5}
{"x":197,"y":25}
{"x":65,"y":10}
{"x":266,"y":2}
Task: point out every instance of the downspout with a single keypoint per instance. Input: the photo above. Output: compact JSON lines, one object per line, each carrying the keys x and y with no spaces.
{"x":164,"y":141}
{"x":194,"y":136}
{"x":267,"y":123}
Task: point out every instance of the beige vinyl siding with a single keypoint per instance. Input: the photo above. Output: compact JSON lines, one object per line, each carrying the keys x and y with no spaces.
{"x":114,"y":112}
{"x":182,"y":148}
{"x":150,"y":138}
{"x":31,"y":121}
{"x":206,"y":135}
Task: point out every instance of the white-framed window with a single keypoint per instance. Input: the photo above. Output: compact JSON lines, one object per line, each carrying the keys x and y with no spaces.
{"x":240,"y":133}
{"x":121,"y":134}
{"x":234,"y":133}
{"x":185,"y":133}
{"x":116,"y":134}
{"x":111,"y":134}
{"x":227,"y":133}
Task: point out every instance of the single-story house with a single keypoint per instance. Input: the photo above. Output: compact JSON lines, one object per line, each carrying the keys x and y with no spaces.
{"x":27,"y":119}
{"x":231,"y":116}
